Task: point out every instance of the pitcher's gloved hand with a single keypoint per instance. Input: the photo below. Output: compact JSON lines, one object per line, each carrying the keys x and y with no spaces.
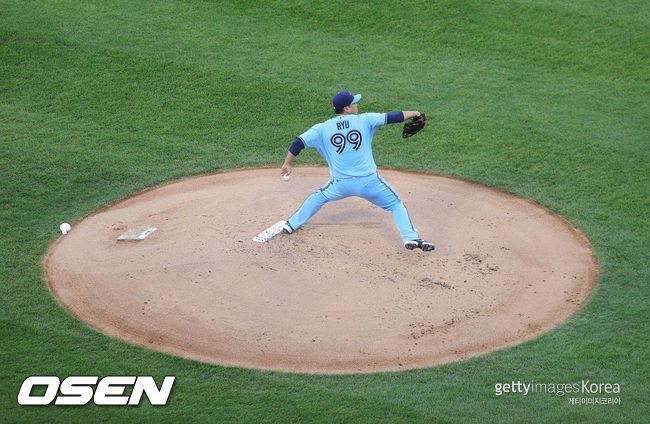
{"x":413,"y":127}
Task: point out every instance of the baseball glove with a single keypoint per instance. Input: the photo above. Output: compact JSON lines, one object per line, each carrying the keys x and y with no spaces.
{"x":413,"y":127}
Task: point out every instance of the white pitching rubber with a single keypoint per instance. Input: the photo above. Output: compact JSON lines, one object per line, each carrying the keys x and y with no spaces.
{"x":269,"y":233}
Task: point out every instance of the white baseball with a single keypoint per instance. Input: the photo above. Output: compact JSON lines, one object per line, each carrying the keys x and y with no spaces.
{"x":286,"y":177}
{"x":65,"y":227}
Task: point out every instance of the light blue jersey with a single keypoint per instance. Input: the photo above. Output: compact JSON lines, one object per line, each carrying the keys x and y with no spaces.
{"x":345,"y":141}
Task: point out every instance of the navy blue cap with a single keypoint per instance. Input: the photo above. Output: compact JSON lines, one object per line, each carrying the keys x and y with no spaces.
{"x":343,"y":99}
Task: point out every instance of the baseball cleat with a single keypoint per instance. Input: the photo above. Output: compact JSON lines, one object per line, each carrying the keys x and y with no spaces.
{"x":426,"y":246}
{"x":420,"y":244}
{"x":286,"y":228}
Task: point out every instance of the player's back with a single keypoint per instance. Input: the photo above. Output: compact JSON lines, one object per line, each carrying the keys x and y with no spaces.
{"x":345,"y":141}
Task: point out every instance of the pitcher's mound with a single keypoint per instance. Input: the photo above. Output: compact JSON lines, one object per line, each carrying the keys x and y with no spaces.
{"x":341,"y":294}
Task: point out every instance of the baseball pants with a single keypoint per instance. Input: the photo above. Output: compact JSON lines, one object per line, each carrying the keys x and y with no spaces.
{"x":372,"y":188}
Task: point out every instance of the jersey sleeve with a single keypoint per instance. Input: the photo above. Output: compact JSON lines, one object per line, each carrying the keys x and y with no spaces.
{"x":310,"y":137}
{"x":375,"y":120}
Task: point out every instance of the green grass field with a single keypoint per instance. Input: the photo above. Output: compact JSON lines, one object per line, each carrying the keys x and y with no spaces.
{"x":546,"y":99}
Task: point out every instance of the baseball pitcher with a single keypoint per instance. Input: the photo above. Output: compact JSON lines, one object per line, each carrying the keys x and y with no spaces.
{"x":345,"y":141}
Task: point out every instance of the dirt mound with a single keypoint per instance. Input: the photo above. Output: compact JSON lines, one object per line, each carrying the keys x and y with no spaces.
{"x":341,"y":294}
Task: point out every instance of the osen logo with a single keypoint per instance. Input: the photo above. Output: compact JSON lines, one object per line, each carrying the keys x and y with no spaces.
{"x":79,"y":390}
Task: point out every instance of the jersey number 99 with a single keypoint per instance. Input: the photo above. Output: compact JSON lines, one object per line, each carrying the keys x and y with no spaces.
{"x":339,"y":140}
